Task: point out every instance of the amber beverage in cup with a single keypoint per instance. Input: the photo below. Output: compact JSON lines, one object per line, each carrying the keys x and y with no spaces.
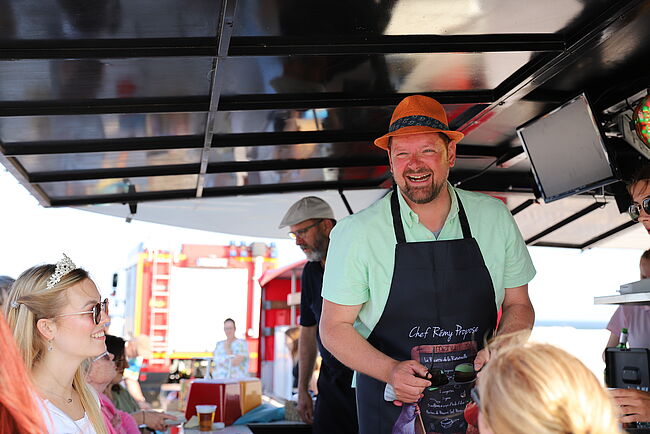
{"x":206,"y":416}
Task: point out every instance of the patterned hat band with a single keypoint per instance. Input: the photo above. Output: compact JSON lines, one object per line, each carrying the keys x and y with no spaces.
{"x":417,"y":121}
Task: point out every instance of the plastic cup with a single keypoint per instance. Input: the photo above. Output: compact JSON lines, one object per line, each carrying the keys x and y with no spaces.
{"x":206,"y":416}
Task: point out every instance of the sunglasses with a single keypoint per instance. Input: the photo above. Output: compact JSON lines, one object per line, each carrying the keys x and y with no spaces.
{"x":105,"y":355}
{"x":97,"y":311}
{"x":301,"y":232}
{"x":463,"y":373}
{"x":635,"y":209}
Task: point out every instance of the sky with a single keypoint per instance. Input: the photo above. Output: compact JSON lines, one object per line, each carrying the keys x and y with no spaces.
{"x":32,"y":234}
{"x":562,"y":292}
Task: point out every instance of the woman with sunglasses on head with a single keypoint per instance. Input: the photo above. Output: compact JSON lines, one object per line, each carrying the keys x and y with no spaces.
{"x":120,"y":397}
{"x":100,"y":374}
{"x":57,"y":317}
{"x":541,"y":389}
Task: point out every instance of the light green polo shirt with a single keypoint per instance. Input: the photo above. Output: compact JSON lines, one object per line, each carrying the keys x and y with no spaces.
{"x":361,"y":254}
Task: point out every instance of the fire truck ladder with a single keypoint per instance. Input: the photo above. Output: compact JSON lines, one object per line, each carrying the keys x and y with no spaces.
{"x":159,"y":304}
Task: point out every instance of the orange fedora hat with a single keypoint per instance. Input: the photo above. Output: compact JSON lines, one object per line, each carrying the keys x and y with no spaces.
{"x":418,"y":114}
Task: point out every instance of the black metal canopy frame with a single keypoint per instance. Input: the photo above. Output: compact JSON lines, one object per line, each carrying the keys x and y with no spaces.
{"x":134,"y":102}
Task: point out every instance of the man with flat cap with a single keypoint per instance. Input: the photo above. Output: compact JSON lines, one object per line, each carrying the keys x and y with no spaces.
{"x":414,"y":283}
{"x":310,"y":221}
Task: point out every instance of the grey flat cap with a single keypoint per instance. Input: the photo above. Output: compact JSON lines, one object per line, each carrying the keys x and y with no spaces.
{"x":310,"y":207}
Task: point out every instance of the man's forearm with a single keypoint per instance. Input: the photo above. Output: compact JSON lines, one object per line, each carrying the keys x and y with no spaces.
{"x":351,"y":349}
{"x":307,"y":356}
{"x":516,"y":317}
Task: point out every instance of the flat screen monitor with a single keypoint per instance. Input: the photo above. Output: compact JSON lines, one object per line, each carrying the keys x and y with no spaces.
{"x":566,"y":151}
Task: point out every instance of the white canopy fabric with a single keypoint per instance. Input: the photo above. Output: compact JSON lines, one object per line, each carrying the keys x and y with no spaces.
{"x":259,"y":215}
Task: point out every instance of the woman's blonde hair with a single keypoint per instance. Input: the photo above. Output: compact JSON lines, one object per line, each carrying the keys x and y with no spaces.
{"x":538,"y":388}
{"x":29,"y":301}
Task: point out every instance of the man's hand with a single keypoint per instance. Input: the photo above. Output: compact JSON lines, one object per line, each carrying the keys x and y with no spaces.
{"x":408,"y":388}
{"x":481,"y":359}
{"x":305,"y":406}
{"x":633,"y":405}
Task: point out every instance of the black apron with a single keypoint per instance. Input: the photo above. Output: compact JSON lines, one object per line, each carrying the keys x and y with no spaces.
{"x":335,"y":411}
{"x":440,"y":309}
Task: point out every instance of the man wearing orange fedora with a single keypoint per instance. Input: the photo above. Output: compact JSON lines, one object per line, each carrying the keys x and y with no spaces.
{"x":414,"y":282}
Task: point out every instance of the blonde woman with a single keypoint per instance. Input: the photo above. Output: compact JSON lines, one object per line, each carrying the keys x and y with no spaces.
{"x":57,"y":318}
{"x":541,"y":389}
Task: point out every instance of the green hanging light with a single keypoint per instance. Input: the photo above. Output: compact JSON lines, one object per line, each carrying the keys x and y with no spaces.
{"x":642,"y":120}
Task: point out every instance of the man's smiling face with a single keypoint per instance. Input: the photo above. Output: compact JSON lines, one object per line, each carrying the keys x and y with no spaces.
{"x":420,"y":164}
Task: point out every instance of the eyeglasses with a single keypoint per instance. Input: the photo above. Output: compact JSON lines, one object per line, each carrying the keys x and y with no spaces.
{"x":97,"y":311}
{"x":475,"y":396}
{"x":301,"y":232}
{"x":635,"y":209}
{"x":105,"y":355}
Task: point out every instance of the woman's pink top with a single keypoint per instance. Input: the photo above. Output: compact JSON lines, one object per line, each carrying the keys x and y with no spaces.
{"x":127,"y":424}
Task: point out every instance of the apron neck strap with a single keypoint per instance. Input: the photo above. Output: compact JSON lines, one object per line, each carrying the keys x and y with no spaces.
{"x":397,"y":217}
{"x":398,"y":226}
{"x":464,"y":224}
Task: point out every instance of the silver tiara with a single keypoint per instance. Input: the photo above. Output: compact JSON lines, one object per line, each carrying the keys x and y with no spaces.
{"x":63,"y":267}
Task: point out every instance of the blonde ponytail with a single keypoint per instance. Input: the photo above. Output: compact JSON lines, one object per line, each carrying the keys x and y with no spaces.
{"x":89,"y":401}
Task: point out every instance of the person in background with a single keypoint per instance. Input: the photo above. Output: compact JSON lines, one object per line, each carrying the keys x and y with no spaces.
{"x":101,"y":372}
{"x":230,"y":357}
{"x":19,"y":412}
{"x":310,"y":221}
{"x":541,"y":389}
{"x":292,"y":339}
{"x":634,"y":405}
{"x":635,"y":318}
{"x":57,"y":317}
{"x":118,"y":394}
{"x":121,"y":398}
{"x":5,"y":285}
{"x":137,"y":349}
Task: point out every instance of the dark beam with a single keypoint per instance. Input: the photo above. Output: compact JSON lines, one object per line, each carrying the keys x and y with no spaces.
{"x":339,"y":99}
{"x":607,"y":234}
{"x":105,"y":106}
{"x":228,"y":103}
{"x":566,"y":221}
{"x":16,"y":49}
{"x":337,"y":136}
{"x":275,"y":46}
{"x":101,"y":145}
{"x":558,"y":245}
{"x":384,"y":44}
{"x":493,"y":180}
{"x":122,"y":172}
{"x":216,"y":192}
{"x":224,"y":29}
{"x":222,"y":167}
{"x":218,"y":141}
{"x":522,"y":206}
{"x":292,"y":138}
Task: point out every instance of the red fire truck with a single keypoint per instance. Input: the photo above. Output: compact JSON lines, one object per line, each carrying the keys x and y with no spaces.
{"x":180,"y":300}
